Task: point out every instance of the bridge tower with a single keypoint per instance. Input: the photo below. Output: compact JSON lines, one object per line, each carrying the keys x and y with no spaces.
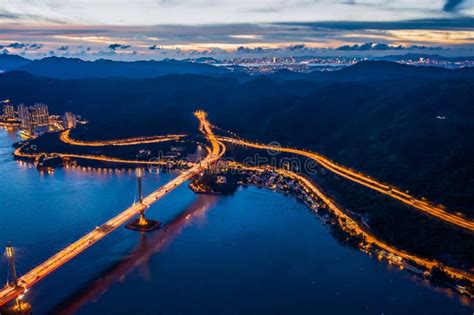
{"x":142,"y":223}
{"x":141,"y":216}
{"x":11,"y":264}
{"x":20,"y":307}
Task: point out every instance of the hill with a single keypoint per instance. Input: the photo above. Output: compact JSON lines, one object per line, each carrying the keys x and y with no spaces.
{"x":10,"y":62}
{"x":73,"y":68}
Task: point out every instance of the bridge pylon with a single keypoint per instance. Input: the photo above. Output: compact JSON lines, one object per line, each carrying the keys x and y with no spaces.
{"x":20,"y":307}
{"x":142,"y":223}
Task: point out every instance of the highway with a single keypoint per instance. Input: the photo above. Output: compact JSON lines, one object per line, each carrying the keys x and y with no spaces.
{"x":50,"y":265}
{"x":353,"y":227}
{"x":422,"y":206}
{"x":66,"y":138}
{"x":100,"y":158}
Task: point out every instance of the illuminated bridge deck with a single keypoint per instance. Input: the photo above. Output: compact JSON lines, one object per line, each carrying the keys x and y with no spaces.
{"x":33,"y":276}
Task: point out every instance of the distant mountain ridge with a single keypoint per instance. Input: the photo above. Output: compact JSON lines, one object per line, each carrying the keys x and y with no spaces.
{"x":11,"y":62}
{"x":74,"y":68}
{"x":375,"y":70}
{"x":392,"y":70}
{"x":425,"y":56}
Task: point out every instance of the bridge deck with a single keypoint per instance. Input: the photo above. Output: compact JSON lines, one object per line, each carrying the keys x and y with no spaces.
{"x":33,"y":276}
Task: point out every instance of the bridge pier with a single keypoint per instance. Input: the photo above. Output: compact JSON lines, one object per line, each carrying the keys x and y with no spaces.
{"x":20,"y":307}
{"x":142,"y":223}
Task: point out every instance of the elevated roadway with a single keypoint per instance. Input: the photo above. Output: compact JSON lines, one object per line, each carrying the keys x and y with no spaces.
{"x":26,"y":281}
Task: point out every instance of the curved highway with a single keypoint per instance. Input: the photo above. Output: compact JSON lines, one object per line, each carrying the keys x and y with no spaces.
{"x":100,"y":158}
{"x":422,"y":206}
{"x":66,"y":138}
{"x":354,"y":228}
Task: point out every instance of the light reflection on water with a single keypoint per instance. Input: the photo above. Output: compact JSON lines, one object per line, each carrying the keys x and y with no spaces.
{"x":149,"y":244}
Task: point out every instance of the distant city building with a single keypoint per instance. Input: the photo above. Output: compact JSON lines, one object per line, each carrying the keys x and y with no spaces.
{"x":23,"y":114}
{"x":34,"y":119}
{"x":39,"y":118}
{"x":8,"y":111}
{"x":69,"y":120}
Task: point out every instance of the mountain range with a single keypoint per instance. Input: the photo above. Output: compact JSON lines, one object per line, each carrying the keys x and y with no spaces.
{"x":74,"y":68}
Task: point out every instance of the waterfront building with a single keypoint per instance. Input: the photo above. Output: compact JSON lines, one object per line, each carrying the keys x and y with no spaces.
{"x":34,"y":119}
{"x":69,"y":120}
{"x":23,"y":114}
{"x":8,"y":111}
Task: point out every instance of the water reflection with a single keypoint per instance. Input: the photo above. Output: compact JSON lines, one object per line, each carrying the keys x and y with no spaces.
{"x":150,"y":243}
{"x":11,"y":134}
{"x":81,"y":171}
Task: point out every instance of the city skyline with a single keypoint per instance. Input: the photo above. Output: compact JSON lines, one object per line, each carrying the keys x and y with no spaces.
{"x":176,"y":29}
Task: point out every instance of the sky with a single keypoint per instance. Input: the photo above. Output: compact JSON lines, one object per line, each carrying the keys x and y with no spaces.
{"x":157,"y":29}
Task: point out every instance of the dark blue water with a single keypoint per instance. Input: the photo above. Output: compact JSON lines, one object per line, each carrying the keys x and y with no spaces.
{"x":256,"y":252}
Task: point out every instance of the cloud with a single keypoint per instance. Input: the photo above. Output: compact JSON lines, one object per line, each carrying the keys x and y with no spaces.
{"x":16,"y":17}
{"x":118,"y":46}
{"x":370,"y":46}
{"x":63,"y":48}
{"x":17,"y":45}
{"x":230,"y":40}
{"x":208,"y":52}
{"x":452,"y":5}
{"x":207,"y":12}
{"x":102,"y":53}
{"x":418,"y":47}
{"x":35,"y":46}
{"x":375,"y":46}
{"x":8,"y":16}
{"x":123,"y":13}
{"x":464,"y":22}
{"x":248,"y":50}
{"x":262,"y":50}
{"x":298,"y":47}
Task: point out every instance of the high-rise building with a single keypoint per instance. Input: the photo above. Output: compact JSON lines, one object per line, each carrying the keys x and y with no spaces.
{"x":23,"y":115}
{"x":69,"y":120}
{"x":8,"y":111}
{"x":34,"y":119}
{"x":40,"y":116}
